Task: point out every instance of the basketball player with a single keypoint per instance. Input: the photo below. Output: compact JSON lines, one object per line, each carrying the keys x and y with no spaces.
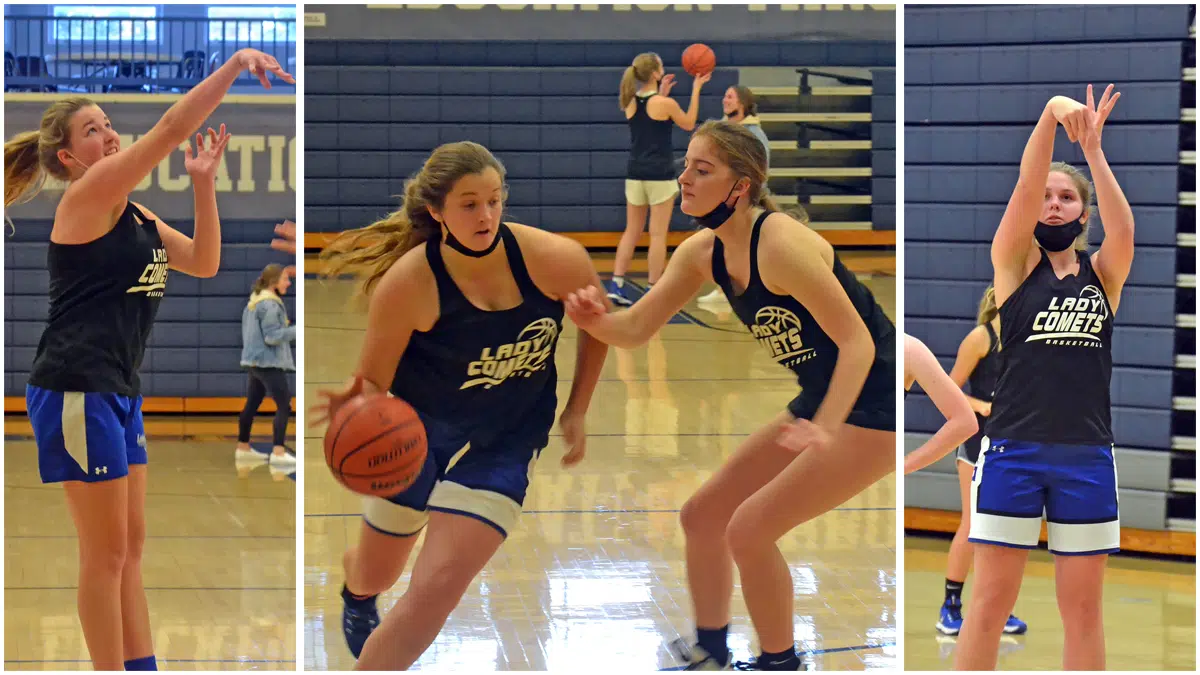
{"x":977,"y":363}
{"x":267,"y":337}
{"x":108,"y":260}
{"x":1049,"y":437}
{"x":650,"y":179}
{"x":465,"y":314}
{"x":922,"y":367}
{"x":785,"y":282}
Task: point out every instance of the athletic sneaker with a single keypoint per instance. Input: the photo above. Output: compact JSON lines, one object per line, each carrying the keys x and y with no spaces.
{"x":247,"y":456}
{"x":950,"y":619}
{"x":1015,"y":626}
{"x":288,"y":458}
{"x":358,"y":623}
{"x":717,"y":295}
{"x":616,"y":293}
{"x":697,"y":656}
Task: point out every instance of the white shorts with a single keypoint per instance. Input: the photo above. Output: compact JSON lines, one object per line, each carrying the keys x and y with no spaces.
{"x":650,"y":192}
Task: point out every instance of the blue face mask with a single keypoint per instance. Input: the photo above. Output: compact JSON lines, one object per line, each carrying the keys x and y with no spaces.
{"x":723,"y":212}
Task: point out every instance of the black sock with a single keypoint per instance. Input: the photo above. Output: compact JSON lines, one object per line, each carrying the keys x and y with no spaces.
{"x":356,"y":600}
{"x":954,"y":591}
{"x":715,"y":642}
{"x":785,"y":660}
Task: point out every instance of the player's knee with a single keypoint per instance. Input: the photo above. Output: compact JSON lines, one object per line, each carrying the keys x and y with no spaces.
{"x":104,"y":557}
{"x":699,"y":519}
{"x":1079,"y":610}
{"x":440,"y":586}
{"x":136,"y":543}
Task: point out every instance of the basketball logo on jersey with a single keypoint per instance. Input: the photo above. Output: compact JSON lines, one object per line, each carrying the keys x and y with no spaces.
{"x":778,"y":330}
{"x":153,"y":281}
{"x":1072,"y":322}
{"x":529,"y":354}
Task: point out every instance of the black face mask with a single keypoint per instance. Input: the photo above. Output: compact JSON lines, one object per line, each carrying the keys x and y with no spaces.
{"x":717,"y":217}
{"x":457,"y":245}
{"x":1057,"y":238}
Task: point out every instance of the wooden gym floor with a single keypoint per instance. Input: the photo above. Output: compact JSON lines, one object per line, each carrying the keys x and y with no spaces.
{"x":594,"y":573}
{"x":1149,"y":613}
{"x":219,"y":564}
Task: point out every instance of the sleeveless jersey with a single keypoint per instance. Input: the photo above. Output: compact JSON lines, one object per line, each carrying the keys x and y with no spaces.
{"x":792,"y":336}
{"x":489,"y":374}
{"x":982,"y":382}
{"x":104,"y":296}
{"x":651,"y":155}
{"x":1057,"y":360}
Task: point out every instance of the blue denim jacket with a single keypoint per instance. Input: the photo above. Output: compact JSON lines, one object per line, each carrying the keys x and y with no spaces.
{"x":267,"y":336}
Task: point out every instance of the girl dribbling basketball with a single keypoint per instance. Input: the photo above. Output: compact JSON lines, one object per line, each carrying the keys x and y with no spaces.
{"x":786,"y":283}
{"x":464,"y":319}
{"x":650,"y":179}
{"x":1048,"y":446}
{"x":108,"y":260}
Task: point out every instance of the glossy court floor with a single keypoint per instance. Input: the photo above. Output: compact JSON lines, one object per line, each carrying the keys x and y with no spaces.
{"x":219,"y":564}
{"x":594,"y":574}
{"x":1149,"y":613}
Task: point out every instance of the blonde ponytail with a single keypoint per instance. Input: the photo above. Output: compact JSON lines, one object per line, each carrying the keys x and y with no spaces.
{"x":643,"y":68}
{"x":987,"y":307}
{"x":23,"y":175}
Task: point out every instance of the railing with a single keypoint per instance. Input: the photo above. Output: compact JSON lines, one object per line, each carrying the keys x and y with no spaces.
{"x":58,"y":54}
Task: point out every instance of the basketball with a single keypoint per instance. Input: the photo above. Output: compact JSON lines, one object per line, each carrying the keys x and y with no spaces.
{"x":699,"y":59}
{"x":375,"y":445}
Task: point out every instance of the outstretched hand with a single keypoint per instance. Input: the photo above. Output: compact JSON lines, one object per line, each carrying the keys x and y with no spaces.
{"x":202,"y":164}
{"x":1097,"y":114}
{"x":585,"y":306}
{"x":260,"y":63}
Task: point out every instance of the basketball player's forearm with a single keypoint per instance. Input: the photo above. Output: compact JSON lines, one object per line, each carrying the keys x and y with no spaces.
{"x":854,"y":362}
{"x":190,"y":111}
{"x":1039,"y":150}
{"x":589,"y":362}
{"x":206,"y":240}
{"x":953,"y":433}
{"x":1115,"y":211}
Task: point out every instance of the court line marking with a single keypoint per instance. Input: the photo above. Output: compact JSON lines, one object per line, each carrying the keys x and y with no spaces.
{"x":819,"y":652}
{"x":159,"y":588}
{"x":599,"y":512}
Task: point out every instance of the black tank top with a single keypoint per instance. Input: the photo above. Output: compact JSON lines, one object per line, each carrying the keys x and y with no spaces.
{"x":1057,"y":360}
{"x":103,"y":298}
{"x":487,"y":374}
{"x":651,"y":156}
{"x":982,"y":380}
{"x":792,"y":336}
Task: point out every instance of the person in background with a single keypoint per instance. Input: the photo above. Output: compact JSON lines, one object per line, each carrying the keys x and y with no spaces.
{"x":267,"y":337}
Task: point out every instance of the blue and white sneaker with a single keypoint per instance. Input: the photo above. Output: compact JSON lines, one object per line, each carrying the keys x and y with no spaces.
{"x":1015,"y":626}
{"x":616,"y":293}
{"x":950,"y":618}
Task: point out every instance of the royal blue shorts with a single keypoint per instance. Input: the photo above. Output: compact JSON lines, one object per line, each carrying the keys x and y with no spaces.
{"x":89,"y":437}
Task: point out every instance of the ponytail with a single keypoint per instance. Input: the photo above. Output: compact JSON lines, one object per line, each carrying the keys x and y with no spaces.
{"x":23,"y":175}
{"x":269,"y":277}
{"x":643,"y":67}
{"x":629,"y":86}
{"x":987,"y":307}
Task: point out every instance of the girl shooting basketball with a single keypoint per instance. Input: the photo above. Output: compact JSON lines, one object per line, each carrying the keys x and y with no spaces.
{"x":814,"y":317}
{"x":1049,"y":435}
{"x":108,"y":262}
{"x":977,"y":363}
{"x":453,"y":288}
{"x":650,"y":178}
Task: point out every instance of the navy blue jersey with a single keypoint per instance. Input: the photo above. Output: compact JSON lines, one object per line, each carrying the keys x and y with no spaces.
{"x":104,"y":296}
{"x":488,"y":374}
{"x":1056,"y":355}
{"x":651,"y":153}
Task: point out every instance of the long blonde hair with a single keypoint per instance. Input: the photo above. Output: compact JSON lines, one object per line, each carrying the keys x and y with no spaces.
{"x":745,"y":155}
{"x":32,"y":155}
{"x":1087,"y":195}
{"x":987,"y":307}
{"x":639,"y":72}
{"x":376,"y":247}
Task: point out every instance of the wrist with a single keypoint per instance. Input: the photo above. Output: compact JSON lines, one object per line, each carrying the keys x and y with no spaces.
{"x":204,"y":184}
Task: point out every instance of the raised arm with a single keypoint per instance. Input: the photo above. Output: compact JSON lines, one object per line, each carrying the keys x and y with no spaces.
{"x":112,"y":178}
{"x":1115,"y":257}
{"x":923,"y":366}
{"x":1014,"y":238}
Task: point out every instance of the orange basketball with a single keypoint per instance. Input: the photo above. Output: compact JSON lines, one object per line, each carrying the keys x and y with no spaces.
{"x":376,"y":445}
{"x":699,"y":59}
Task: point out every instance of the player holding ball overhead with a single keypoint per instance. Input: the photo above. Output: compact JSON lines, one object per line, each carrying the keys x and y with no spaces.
{"x":650,"y":177}
{"x":463,"y":325}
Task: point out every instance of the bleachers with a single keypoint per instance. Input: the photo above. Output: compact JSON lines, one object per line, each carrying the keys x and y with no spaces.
{"x":548,"y":109}
{"x":196,"y":345}
{"x":976,"y":80}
